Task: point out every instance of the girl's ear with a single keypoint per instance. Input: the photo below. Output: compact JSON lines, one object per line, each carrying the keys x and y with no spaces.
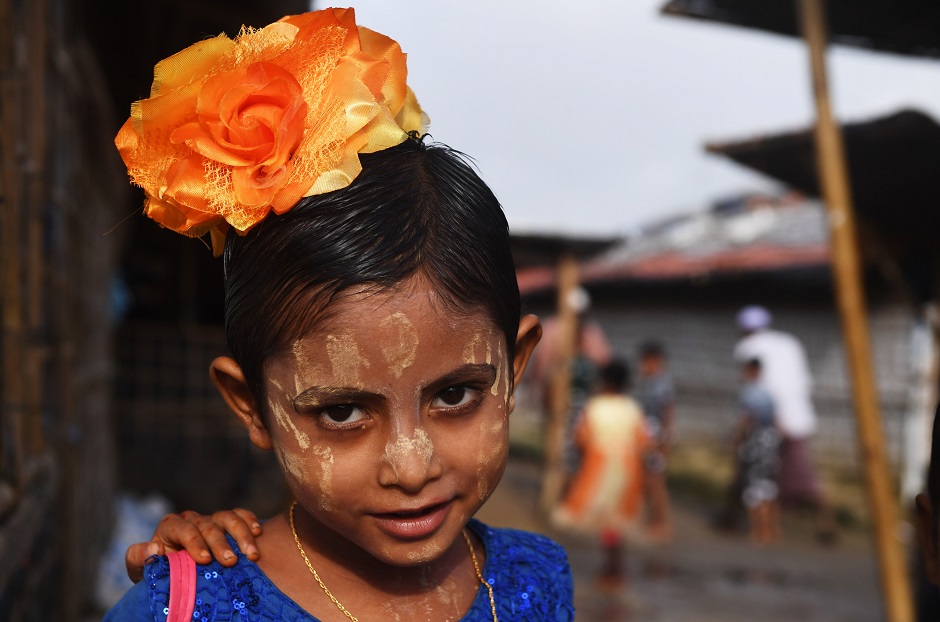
{"x":530,"y":332}
{"x":927,"y":536}
{"x":230,"y":381}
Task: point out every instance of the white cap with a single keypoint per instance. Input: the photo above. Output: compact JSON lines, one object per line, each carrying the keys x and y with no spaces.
{"x":579,"y":300}
{"x":754,"y":317}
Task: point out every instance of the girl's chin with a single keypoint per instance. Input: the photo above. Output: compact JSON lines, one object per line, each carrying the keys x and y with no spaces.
{"x":417,"y":553}
{"x":414,"y":554}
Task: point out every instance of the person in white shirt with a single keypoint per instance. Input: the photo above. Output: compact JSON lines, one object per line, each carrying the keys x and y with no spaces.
{"x":786,"y":376}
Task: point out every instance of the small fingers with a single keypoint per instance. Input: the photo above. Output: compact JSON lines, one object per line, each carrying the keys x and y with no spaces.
{"x":241,"y":524}
{"x":179,"y":532}
{"x":251,"y":519}
{"x":137,"y":555}
{"x":199,"y":535}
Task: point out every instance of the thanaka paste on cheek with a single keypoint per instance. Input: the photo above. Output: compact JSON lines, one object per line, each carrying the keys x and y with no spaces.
{"x":346,"y":359}
{"x":399,"y":342}
{"x":296,"y":466}
{"x":291,"y":464}
{"x":492,"y":450}
{"x":284,"y":420}
{"x":325,"y":455}
{"x":499,"y":439}
{"x":483,"y":487}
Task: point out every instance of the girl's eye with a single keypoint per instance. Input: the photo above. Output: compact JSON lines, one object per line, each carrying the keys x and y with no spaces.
{"x":342,"y":415}
{"x":459,"y":398}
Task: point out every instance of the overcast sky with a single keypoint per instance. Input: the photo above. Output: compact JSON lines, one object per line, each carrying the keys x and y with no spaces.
{"x":590,"y":117}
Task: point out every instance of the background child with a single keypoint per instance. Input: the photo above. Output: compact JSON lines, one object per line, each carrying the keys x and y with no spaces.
{"x":374,"y":326}
{"x":607,"y":493}
{"x":757,"y":446}
{"x":656,"y":394}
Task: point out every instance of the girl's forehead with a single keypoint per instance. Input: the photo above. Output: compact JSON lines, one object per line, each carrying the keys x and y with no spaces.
{"x":414,"y":302}
{"x":414,"y":317}
{"x":369,"y":338}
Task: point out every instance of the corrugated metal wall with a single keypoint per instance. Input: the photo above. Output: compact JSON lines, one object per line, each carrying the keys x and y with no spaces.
{"x":695,"y":322}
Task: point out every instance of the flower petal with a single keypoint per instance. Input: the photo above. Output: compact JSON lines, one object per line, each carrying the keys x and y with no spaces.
{"x":234,"y":129}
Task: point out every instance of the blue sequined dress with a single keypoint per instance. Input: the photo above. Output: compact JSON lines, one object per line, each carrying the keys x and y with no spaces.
{"x":529,"y":573}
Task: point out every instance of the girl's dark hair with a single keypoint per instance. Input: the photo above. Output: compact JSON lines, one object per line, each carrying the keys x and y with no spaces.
{"x":414,"y":209}
{"x":615,"y":375}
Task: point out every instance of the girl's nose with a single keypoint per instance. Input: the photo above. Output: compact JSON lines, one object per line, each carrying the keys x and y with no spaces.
{"x":409,"y":462}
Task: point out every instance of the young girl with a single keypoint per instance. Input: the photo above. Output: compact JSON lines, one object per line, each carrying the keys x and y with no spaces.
{"x":374,"y":323}
{"x":607,"y":493}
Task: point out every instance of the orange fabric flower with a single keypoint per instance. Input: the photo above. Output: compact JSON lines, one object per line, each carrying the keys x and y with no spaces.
{"x":234,"y":129}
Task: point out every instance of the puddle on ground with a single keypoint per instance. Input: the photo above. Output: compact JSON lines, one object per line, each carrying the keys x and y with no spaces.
{"x":654,"y":570}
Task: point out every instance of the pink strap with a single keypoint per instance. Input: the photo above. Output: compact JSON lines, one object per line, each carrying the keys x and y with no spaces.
{"x":182,"y":587}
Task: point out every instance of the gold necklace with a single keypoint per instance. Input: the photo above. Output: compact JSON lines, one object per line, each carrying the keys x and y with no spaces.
{"x":339,"y":605}
{"x":476,"y":569}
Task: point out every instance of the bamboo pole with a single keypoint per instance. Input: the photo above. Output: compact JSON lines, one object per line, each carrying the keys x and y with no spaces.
{"x":833,"y":174}
{"x":560,"y":403}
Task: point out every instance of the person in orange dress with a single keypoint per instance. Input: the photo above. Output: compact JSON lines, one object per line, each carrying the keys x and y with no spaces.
{"x":606,"y":495}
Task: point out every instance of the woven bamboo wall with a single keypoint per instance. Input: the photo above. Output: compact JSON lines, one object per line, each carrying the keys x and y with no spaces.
{"x":70,"y":230}
{"x":61,"y":188}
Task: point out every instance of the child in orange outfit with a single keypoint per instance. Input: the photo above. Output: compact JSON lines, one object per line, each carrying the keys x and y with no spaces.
{"x":607,"y":493}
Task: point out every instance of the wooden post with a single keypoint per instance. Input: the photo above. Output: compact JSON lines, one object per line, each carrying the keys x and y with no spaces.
{"x":11,"y":315}
{"x":833,"y":175}
{"x":554,"y":476}
{"x":36,"y":183}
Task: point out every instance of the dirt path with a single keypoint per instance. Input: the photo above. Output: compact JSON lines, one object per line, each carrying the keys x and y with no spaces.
{"x":705,"y":576}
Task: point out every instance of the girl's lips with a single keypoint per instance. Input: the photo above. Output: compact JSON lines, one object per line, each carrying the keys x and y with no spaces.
{"x":413,"y":525}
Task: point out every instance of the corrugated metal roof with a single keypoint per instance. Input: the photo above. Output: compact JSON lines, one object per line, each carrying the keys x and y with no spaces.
{"x":752,"y":234}
{"x":892,"y":162}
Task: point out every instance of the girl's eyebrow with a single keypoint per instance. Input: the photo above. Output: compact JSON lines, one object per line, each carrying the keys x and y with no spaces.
{"x":470,"y":372}
{"x":316,"y":396}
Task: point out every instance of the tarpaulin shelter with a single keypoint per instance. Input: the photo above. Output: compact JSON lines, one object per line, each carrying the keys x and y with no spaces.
{"x":904,"y":26}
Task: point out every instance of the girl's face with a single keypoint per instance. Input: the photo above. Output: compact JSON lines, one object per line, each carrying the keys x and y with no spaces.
{"x":390,"y":419}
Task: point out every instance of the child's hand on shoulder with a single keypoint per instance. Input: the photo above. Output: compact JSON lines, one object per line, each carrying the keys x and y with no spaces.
{"x":198,"y":535}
